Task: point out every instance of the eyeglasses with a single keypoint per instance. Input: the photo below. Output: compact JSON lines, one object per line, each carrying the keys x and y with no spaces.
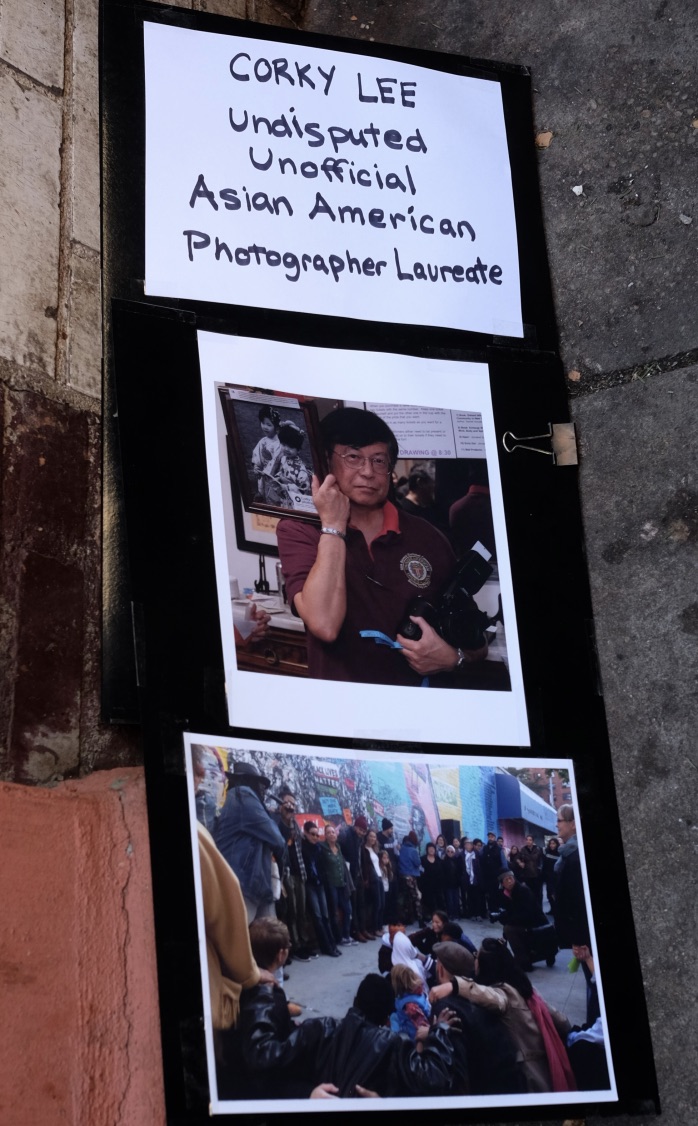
{"x":381,"y":463}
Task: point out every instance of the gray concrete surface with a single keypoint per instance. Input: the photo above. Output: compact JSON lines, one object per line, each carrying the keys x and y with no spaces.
{"x":327,"y":986}
{"x":615,"y":83}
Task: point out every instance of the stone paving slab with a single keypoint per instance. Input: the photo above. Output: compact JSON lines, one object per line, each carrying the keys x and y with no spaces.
{"x":615,"y":83}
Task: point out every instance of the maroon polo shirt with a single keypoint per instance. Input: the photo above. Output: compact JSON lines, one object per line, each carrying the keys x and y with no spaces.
{"x":408,"y":558}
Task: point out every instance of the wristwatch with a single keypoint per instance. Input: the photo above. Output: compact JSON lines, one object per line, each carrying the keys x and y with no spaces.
{"x":332,"y":532}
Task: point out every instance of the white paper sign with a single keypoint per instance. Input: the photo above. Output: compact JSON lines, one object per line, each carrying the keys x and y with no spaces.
{"x":318,"y":181}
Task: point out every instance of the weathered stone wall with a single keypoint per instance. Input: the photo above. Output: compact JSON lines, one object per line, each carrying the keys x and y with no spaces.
{"x":50,"y":388}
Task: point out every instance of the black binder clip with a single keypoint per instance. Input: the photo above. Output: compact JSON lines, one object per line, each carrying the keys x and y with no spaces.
{"x":560,"y":435}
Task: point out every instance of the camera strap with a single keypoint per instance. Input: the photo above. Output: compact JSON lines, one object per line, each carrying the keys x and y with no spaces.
{"x":383,"y":639}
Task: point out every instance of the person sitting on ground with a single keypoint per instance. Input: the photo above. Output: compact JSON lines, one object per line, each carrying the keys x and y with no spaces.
{"x":412,"y":1008}
{"x":536,"y":1027}
{"x":271,"y":943}
{"x":426,"y":938}
{"x":351,"y":1056}
{"x":453,"y":932}
{"x":405,"y":954}
{"x":487,"y":1058}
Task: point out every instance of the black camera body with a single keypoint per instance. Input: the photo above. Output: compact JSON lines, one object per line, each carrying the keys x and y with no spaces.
{"x":455,"y":615}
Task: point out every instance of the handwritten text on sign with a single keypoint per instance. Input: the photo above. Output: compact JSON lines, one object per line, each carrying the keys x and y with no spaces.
{"x":316,"y":181}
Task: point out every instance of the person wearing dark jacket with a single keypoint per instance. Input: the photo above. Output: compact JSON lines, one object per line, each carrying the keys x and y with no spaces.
{"x":550,"y":859}
{"x":409,"y":869}
{"x":486,"y":1056}
{"x":452,"y":871}
{"x":247,"y":837}
{"x":351,"y":841}
{"x":571,"y":920}
{"x":532,"y":857}
{"x":518,"y":913}
{"x":358,"y":1051}
{"x":431,"y":883}
{"x":315,"y":890}
{"x":490,"y":862}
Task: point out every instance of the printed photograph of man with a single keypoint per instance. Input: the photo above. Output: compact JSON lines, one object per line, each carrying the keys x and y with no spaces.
{"x":353,"y":580}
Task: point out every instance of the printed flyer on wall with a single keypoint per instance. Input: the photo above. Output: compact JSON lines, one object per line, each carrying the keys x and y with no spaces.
{"x":300,"y":178}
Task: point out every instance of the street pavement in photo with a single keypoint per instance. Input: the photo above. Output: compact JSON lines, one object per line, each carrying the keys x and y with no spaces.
{"x":326,"y":986}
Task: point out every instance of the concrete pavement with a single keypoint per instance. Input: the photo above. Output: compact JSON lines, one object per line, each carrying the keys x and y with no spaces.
{"x":326,"y":986}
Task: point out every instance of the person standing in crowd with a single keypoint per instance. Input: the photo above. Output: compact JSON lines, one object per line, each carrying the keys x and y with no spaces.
{"x":315,"y":891}
{"x":333,"y":870}
{"x":409,"y":869}
{"x":452,"y":881}
{"x":517,"y":863}
{"x":532,"y":857}
{"x":351,"y":841}
{"x":491,"y":862}
{"x":470,"y":518}
{"x":440,"y":843}
{"x":231,"y":966}
{"x":386,"y":840}
{"x":419,"y":500}
{"x":292,"y":906}
{"x":571,"y":920}
{"x":373,"y":885}
{"x":467,"y":887}
{"x":505,"y":850}
{"x":550,"y":859}
{"x":431,"y":882}
{"x":248,"y":838}
{"x":389,"y":885}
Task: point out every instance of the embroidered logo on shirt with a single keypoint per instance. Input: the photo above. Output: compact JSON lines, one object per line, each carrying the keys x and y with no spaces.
{"x":417,"y":569}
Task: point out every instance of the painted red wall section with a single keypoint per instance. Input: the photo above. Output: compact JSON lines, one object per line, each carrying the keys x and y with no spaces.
{"x":79,"y":1035}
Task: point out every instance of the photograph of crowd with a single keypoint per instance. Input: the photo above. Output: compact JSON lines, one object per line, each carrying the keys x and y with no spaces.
{"x":392,"y":930}
{"x":386,"y":521}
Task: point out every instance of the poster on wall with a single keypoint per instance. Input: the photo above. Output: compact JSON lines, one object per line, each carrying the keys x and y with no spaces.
{"x":304,"y":179}
{"x":359,"y":540}
{"x":366,"y":1008}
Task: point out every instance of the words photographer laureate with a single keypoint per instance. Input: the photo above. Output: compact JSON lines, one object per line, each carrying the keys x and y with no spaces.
{"x":336,"y":265}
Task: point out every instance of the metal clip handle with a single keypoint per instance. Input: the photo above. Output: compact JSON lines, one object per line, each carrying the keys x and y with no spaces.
{"x":561,"y":436}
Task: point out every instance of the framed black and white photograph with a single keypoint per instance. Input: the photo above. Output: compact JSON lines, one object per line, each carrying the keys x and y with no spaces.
{"x":271,"y":448}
